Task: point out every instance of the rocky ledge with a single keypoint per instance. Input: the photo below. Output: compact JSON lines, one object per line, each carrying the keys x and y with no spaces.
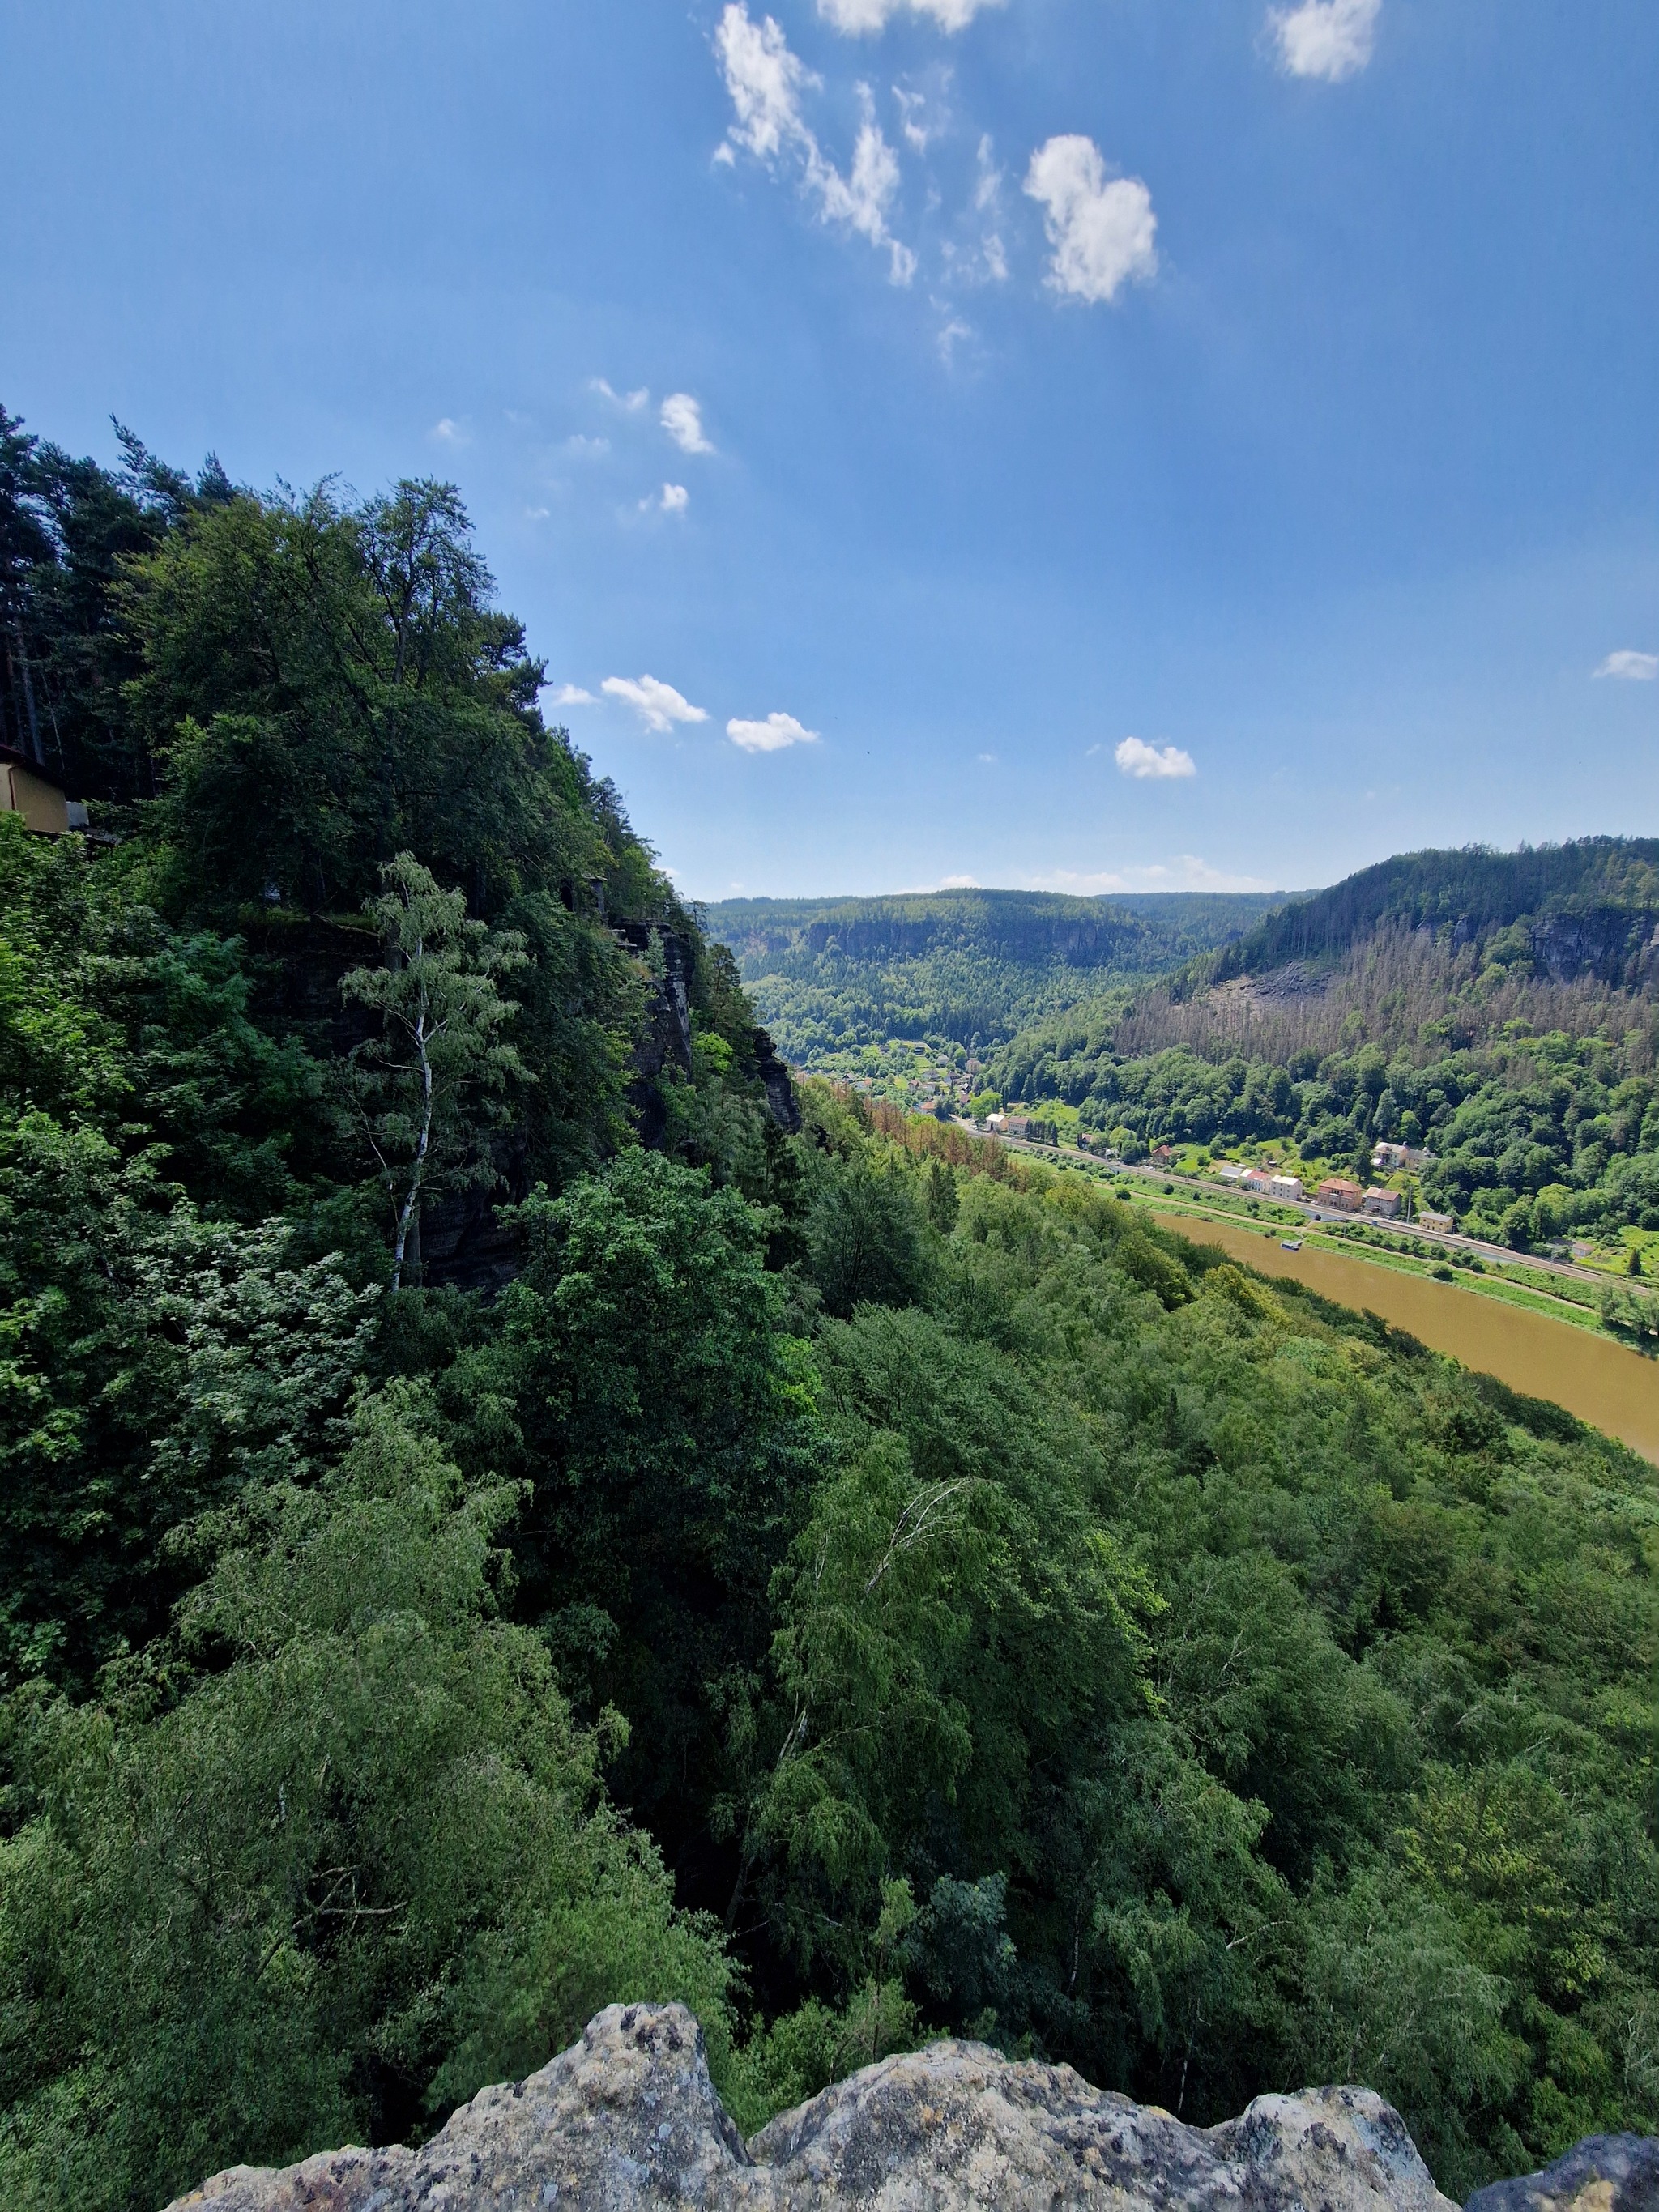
{"x":627,"y":2119}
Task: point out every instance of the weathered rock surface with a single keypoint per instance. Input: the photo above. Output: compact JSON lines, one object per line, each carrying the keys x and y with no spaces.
{"x":1603,"y":2173}
{"x":627,"y":2120}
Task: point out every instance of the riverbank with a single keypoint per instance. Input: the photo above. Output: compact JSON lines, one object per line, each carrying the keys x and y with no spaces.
{"x":1591,"y":1375}
{"x":1540,"y":1342}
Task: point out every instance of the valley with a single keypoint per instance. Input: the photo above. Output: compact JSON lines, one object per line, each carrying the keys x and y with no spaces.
{"x":512,"y":1502}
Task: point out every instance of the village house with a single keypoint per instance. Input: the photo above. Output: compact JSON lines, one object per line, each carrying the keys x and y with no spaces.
{"x":1340,"y":1192}
{"x":1388,"y":1159}
{"x":1287,"y":1186}
{"x":1383,"y":1202}
{"x":1162,"y":1154}
{"x":1443,"y":1222}
{"x":1255,"y":1179}
{"x":25,"y":788}
{"x":1230,"y":1171}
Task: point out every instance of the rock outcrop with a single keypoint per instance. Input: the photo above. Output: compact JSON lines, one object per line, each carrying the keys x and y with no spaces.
{"x":627,"y":2120}
{"x":1603,"y":2173}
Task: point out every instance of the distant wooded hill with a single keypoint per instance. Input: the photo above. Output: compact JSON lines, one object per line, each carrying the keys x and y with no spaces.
{"x":1564,"y":936}
{"x":1587,"y":908}
{"x":1501,"y":1007}
{"x":961,"y":966}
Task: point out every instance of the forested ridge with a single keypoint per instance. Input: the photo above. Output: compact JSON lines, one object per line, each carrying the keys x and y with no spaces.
{"x":834,"y":977}
{"x":1496,"y":1009}
{"x":845,"y":1578}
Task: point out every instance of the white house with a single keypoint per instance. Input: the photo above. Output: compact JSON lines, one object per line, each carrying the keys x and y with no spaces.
{"x":1389,"y":1157}
{"x":1284,"y":1186}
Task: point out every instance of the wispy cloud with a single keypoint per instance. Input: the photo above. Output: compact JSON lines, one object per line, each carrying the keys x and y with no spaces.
{"x":910,"y":106}
{"x":631,"y":403}
{"x":1102,"y":229}
{"x":448,"y":432}
{"x":571,"y":695}
{"x":672,"y":499}
{"x":1328,"y":39}
{"x":1137,"y":758}
{"x":659,"y":705}
{"x":774,"y":735}
{"x":1185,"y":872}
{"x":765,"y":82}
{"x":681,"y":417}
{"x":858,"y":17}
{"x":1630,"y":666}
{"x":587,"y":449}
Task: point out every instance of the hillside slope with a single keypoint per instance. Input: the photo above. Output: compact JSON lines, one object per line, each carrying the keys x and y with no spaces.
{"x":1499,"y":1008}
{"x":1586,"y":908}
{"x":970,"y":967}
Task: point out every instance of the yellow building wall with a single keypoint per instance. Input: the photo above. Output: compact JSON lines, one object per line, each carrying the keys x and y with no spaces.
{"x":41,"y":804}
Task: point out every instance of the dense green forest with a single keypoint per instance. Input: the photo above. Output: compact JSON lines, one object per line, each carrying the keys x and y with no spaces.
{"x":838,"y":980}
{"x":1497,"y":1008}
{"x":834,"y":1574}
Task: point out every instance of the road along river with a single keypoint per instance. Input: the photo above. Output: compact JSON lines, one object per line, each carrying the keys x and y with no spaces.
{"x":1604,"y":1382}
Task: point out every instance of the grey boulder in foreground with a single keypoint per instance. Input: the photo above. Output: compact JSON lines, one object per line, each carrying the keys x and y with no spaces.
{"x":1603,"y":2173}
{"x":627,"y":2119}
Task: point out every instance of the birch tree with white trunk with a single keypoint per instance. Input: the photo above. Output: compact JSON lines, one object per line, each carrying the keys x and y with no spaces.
{"x":425,"y":1088}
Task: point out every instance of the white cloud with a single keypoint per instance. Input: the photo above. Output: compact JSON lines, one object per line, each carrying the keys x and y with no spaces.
{"x":855,"y":17}
{"x":910,"y":106}
{"x":682,"y":418}
{"x":988,"y":758}
{"x":630,"y":402}
{"x":1633,"y":667}
{"x":765,"y":82}
{"x":448,"y":432}
{"x":950,"y":336}
{"x":1135,"y":757}
{"x":571,"y":695}
{"x":958,"y":883}
{"x":989,"y":188}
{"x":588,"y":449}
{"x":1101,"y":230}
{"x":675,"y":499}
{"x":862,"y":200}
{"x":987,"y":200}
{"x":776,"y":732}
{"x":1185,"y":872}
{"x":1328,"y":39}
{"x":659,"y":705}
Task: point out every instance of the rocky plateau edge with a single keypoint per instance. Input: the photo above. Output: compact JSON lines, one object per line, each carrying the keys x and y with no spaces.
{"x":627,"y":2120}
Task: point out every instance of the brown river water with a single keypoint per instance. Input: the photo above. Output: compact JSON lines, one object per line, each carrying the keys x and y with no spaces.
{"x":1604,"y":1382}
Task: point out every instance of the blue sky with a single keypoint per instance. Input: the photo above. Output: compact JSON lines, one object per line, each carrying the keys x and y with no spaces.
{"x":1087,"y":444}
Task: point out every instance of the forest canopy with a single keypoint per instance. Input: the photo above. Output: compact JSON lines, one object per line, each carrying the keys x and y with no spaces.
{"x":834,"y":1574}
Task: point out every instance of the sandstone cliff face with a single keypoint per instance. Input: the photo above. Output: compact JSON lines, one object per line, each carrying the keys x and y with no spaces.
{"x":627,"y":2120}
